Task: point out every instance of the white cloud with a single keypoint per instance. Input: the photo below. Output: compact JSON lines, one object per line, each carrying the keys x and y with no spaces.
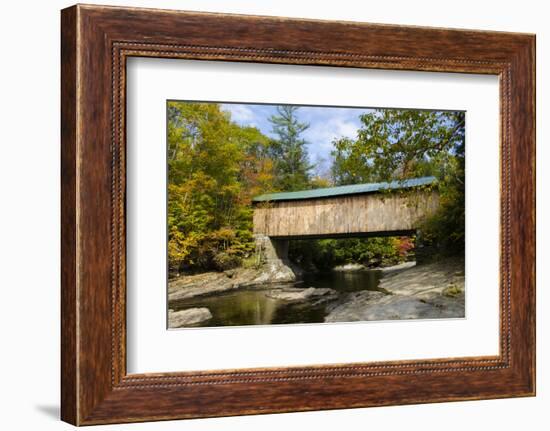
{"x":333,"y":125}
{"x":325,"y":124}
{"x":239,"y":113}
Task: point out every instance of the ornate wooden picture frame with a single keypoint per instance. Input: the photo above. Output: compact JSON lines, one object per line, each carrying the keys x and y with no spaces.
{"x":96,"y":41}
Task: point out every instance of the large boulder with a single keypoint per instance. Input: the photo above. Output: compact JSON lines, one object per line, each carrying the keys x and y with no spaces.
{"x":296,"y":294}
{"x":275,"y":272}
{"x":189,"y":317}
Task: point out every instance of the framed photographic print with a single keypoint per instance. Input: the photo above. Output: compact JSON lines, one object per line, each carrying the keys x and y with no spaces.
{"x":265,"y":215}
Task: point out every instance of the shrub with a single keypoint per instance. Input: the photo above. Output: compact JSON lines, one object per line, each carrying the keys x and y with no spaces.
{"x":224,"y":261}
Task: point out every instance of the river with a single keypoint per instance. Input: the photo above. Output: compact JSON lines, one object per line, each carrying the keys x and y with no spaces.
{"x":253,"y":307}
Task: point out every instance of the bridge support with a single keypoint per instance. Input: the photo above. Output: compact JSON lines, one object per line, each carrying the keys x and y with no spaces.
{"x":274,"y":254}
{"x":271,"y":250}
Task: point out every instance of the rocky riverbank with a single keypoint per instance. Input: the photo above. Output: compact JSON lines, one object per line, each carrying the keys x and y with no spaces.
{"x":405,"y":291}
{"x":434,"y":290}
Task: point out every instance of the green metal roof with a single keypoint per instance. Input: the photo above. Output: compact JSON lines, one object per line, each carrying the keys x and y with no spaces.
{"x":345,"y":190}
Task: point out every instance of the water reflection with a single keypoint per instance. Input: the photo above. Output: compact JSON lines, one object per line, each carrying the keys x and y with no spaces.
{"x":253,"y":307}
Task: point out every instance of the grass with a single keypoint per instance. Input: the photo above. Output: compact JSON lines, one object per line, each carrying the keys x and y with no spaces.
{"x":452,"y":291}
{"x":252,"y":262}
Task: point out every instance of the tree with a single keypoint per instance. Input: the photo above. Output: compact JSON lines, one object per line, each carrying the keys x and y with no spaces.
{"x":214,"y":168}
{"x":289,"y":150}
{"x":397,"y":144}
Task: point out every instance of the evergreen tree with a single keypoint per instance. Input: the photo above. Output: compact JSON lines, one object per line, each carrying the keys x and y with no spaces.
{"x":288,"y":151}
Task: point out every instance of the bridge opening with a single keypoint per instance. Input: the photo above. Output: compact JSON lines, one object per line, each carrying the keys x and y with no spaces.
{"x":350,"y":252}
{"x":365,"y":251}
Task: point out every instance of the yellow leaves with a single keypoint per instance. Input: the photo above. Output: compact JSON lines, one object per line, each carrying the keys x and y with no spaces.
{"x":224,"y":234}
{"x":180,"y":245}
{"x":215,"y":167}
{"x":319,"y":183}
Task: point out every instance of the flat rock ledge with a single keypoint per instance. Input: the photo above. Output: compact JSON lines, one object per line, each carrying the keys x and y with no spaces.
{"x":189,"y":317}
{"x":429,"y":291}
{"x":352,"y":267}
{"x":297,"y":294}
{"x":398,"y":268}
{"x":190,"y":286}
{"x":368,"y":306}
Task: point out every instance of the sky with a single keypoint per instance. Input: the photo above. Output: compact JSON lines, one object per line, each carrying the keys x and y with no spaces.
{"x":325,"y":124}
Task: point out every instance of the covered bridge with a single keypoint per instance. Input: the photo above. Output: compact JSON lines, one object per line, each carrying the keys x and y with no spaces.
{"x":375,"y":209}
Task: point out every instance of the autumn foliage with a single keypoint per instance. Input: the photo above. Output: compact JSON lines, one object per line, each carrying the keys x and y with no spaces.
{"x":216,"y":167}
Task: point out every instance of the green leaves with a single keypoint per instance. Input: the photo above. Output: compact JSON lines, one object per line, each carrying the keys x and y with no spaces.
{"x":371,"y":252}
{"x":395,"y":144}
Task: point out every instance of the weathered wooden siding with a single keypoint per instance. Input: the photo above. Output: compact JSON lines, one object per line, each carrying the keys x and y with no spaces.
{"x":354,"y":214}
